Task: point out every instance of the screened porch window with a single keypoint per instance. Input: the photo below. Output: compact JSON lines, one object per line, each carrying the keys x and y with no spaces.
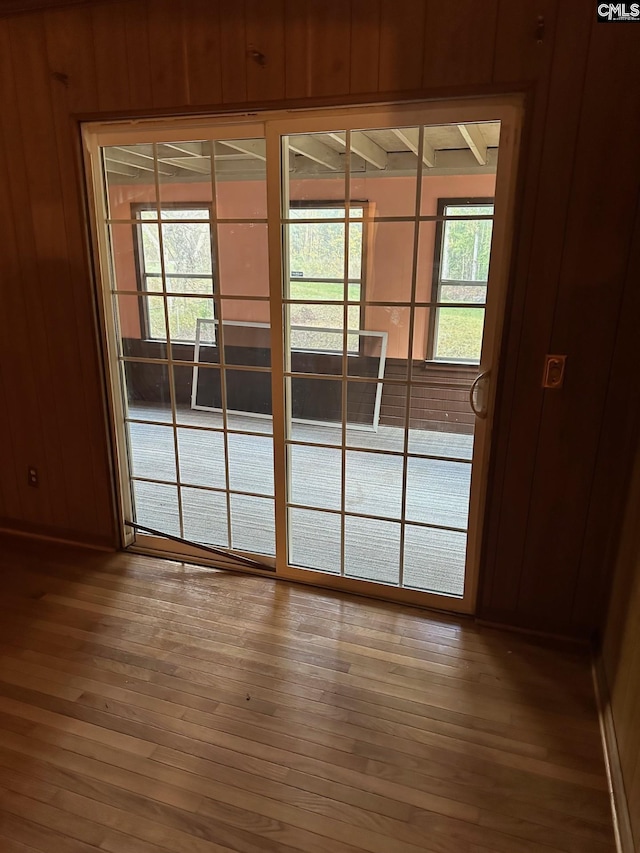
{"x":188,"y":268}
{"x":317,"y":275}
{"x":461,"y":272}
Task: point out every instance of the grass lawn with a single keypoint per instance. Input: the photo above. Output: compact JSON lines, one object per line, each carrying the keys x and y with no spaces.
{"x":331,"y":291}
{"x":459,"y":329}
{"x":459,"y":333}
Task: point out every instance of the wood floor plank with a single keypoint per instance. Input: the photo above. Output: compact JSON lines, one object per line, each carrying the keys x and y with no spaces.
{"x":180,"y":695}
{"x":351,"y":651}
{"x":151,"y":705}
{"x":384,"y":770}
{"x":212,"y":760}
{"x":171,"y":643}
{"x":74,"y":818}
{"x":297,"y":734}
{"x":393,"y":674}
{"x":10,"y":846}
{"x":217,"y":684}
{"x":234,"y":826}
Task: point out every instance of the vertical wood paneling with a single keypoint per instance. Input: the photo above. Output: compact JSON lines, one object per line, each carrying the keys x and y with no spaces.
{"x":9,"y":495}
{"x":70,"y":52}
{"x":317,"y":45}
{"x":168,"y":63}
{"x":365,"y":45}
{"x":329,"y":40}
{"x":57,"y":327}
{"x":17,"y":387}
{"x":138,"y":54}
{"x":618,"y":438}
{"x":202,"y":40}
{"x":33,"y":432}
{"x":594,"y":262}
{"x":457,"y":55}
{"x":233,"y":52}
{"x":265,"y":50}
{"x":296,"y":50}
{"x":522,"y":52}
{"x":550,"y":137}
{"x":402,"y":27}
{"x":72,"y":92}
{"x":621,"y":650}
{"x":111,"y":60}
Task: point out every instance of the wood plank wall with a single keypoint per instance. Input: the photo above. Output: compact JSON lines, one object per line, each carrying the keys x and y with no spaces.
{"x":621,"y":654}
{"x":559,"y":467}
{"x":440,"y":403}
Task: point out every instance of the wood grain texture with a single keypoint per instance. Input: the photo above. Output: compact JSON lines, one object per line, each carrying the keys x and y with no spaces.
{"x":19,"y":385}
{"x":70,"y":55}
{"x":613,"y":471}
{"x":552,"y":139}
{"x":233,"y":52}
{"x":523,"y":52}
{"x":11,"y":7}
{"x":20,"y":310}
{"x":621,"y":653}
{"x":47,"y":171}
{"x":165,"y":21}
{"x":139,"y":54}
{"x":402,"y":25}
{"x":593,"y":286}
{"x":265,"y":54}
{"x":111,"y":58}
{"x":202,"y":35}
{"x":149,"y":705}
{"x":365,"y":45}
{"x":69,"y":100}
{"x":455,"y":55}
{"x":317,"y":45}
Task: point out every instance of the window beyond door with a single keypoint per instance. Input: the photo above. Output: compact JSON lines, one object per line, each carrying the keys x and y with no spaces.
{"x":182,"y":252}
{"x":460,"y":275}
{"x":317,"y":276}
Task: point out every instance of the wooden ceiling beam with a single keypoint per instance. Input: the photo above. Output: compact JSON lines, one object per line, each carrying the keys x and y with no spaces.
{"x":185,"y":155}
{"x":313,"y":149}
{"x":410,"y":136}
{"x":144,"y":162}
{"x":475,"y":140}
{"x":190,"y":164}
{"x":190,"y":149}
{"x":364,"y":147}
{"x":253,"y":147}
{"x":115,"y":168}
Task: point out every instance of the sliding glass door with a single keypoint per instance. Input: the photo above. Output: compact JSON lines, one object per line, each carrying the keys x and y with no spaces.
{"x":302,"y":317}
{"x":189,"y":299}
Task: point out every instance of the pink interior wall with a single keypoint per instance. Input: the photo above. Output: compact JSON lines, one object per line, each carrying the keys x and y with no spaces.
{"x":243,"y":250}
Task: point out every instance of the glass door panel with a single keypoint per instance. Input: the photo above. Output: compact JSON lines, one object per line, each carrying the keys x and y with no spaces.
{"x":295,"y":311}
{"x":188,"y":243}
{"x":385,"y":271}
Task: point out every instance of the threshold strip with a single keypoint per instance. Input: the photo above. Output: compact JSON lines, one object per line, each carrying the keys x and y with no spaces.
{"x":218,"y":552}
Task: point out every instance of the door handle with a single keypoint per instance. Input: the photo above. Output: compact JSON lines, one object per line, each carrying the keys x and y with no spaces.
{"x":479,"y":413}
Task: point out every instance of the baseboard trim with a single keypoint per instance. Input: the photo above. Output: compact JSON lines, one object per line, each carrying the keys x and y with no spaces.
{"x":565,"y":640}
{"x":76,"y":542}
{"x":617,"y":793}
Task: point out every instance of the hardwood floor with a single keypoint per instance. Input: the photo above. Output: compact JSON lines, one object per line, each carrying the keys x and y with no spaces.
{"x":148,"y":705}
